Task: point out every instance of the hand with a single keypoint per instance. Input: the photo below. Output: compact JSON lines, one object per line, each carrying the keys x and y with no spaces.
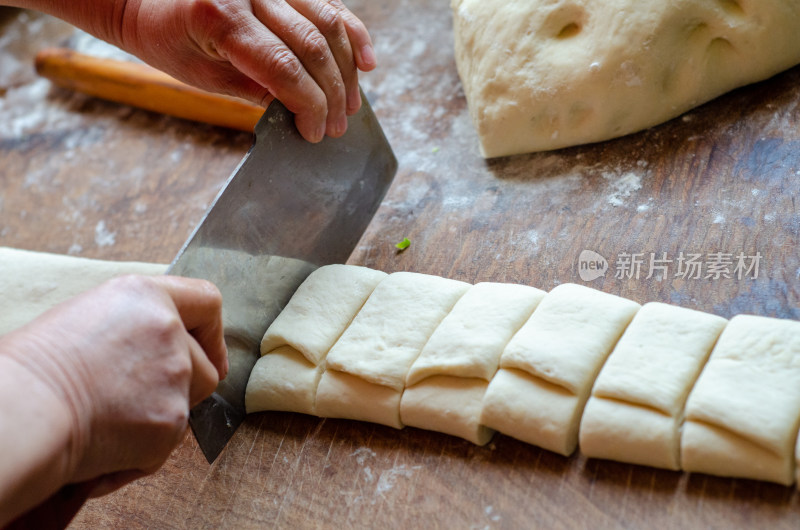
{"x":306,"y":53}
{"x":128,"y":359}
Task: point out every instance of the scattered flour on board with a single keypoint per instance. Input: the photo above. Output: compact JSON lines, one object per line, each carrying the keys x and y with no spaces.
{"x":82,"y":42}
{"x":102,"y":236}
{"x":457,"y":202}
{"x":491,"y":514}
{"x":387,"y":479}
{"x":25,"y":110}
{"x":533,"y":237}
{"x":362,"y":453}
{"x":525,"y":241}
{"x":622,"y":186}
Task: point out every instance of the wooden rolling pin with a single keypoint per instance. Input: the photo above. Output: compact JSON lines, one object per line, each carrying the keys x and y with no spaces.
{"x":145,"y":87}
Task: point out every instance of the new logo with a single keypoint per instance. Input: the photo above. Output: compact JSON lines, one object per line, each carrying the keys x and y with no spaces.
{"x":591,"y":265}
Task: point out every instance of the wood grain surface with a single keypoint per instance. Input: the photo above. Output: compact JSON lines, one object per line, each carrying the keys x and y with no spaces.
{"x":85,"y":177}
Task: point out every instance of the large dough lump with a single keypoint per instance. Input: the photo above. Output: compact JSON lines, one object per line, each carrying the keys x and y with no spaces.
{"x":443,"y":355}
{"x":545,"y":74}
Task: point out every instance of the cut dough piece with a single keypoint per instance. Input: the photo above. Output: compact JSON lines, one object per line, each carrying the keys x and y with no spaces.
{"x":532,"y":410}
{"x":545,"y":74}
{"x":389,"y":332}
{"x":451,"y":405}
{"x":33,"y":282}
{"x":341,"y":395}
{"x":564,"y":344}
{"x":382,"y":342}
{"x":283,"y":380}
{"x":321,"y":309}
{"x":470,"y":340}
{"x":705,"y":448}
{"x":743,"y":414}
{"x":636,"y":408}
{"x":448,"y":379}
{"x":616,"y":430}
{"x":297,"y":341}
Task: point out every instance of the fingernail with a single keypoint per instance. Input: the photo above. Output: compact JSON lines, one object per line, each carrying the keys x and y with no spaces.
{"x":320,"y":133}
{"x":353,"y":101}
{"x":368,"y":54}
{"x":341,"y":125}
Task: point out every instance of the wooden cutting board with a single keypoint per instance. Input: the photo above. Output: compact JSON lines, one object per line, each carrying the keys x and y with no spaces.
{"x":82,"y":176}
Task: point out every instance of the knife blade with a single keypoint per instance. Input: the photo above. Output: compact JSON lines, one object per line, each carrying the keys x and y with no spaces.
{"x":288,"y":208}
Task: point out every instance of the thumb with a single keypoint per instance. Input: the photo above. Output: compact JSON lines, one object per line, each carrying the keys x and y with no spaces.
{"x":113,"y":481}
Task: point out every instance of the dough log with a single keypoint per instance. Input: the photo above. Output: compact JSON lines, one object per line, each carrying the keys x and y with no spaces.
{"x":33,"y":282}
{"x":575,"y":365}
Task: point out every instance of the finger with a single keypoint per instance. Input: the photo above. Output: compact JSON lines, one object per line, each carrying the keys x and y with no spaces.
{"x":329,"y":21}
{"x":204,"y":374}
{"x":280,"y":72}
{"x":307,"y":41}
{"x":58,"y":510}
{"x":113,"y":481}
{"x":237,"y":84}
{"x":360,"y":41}
{"x":199,"y":304}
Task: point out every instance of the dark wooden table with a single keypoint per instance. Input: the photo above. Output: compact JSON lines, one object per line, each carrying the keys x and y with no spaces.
{"x":90,"y":178}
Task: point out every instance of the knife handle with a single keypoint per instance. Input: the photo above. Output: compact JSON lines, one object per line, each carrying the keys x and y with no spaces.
{"x":144,"y":87}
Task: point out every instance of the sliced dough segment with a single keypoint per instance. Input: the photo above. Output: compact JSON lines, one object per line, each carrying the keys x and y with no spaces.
{"x":532,"y":410}
{"x":297,"y":341}
{"x":559,"y":351}
{"x":321,"y":309}
{"x":470,"y":340}
{"x":447,"y":381}
{"x":636,"y":408}
{"x":283,"y":380}
{"x":341,"y":395}
{"x":743,"y":414}
{"x":451,"y":405}
{"x":382,"y":342}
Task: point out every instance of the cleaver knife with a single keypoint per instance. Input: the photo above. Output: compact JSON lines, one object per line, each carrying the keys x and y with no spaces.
{"x":289,"y":208}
